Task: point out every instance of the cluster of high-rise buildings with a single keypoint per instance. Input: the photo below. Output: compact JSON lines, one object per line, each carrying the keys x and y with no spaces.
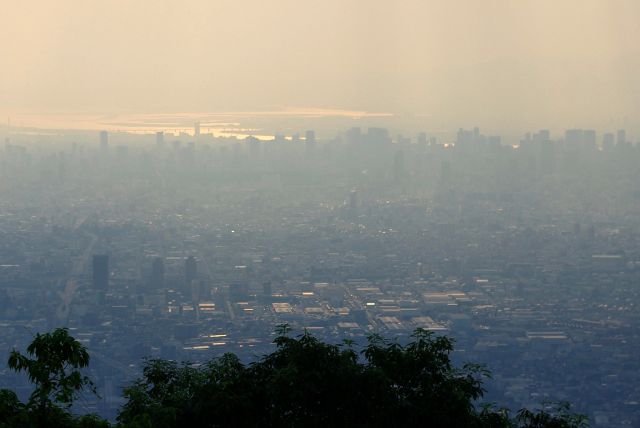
{"x":186,"y":247}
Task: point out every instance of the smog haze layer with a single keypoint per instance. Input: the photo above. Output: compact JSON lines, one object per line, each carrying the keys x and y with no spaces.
{"x":501,"y":65}
{"x":181,"y":179}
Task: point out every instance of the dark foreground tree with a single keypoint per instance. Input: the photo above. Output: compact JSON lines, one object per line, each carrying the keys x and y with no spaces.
{"x":303,"y":383}
{"x":558,"y":415}
{"x":308,"y":383}
{"x":52,"y":363}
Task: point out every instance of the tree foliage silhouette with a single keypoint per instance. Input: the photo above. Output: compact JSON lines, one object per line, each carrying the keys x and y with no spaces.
{"x":52,"y":363}
{"x":304,"y":382}
{"x":308,"y":383}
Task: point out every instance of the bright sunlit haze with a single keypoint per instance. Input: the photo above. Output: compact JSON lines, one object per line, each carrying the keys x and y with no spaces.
{"x":495,"y":64}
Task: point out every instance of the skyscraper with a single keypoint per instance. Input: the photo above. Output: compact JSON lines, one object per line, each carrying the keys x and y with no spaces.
{"x":267,"y":289}
{"x":574,"y":137}
{"x":353,"y":201}
{"x":104,"y":141}
{"x":309,"y":143}
{"x":542,"y":136}
{"x":310,"y":136}
{"x":157,"y":273}
{"x":190,"y":271}
{"x":160,"y":139}
{"x":100,"y":271}
{"x":377,"y":137}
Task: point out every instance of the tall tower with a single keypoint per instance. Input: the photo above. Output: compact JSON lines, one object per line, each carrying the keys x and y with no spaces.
{"x":353,"y":202}
{"x":310,"y":136}
{"x":196,"y":129}
{"x":100,"y":271}
{"x":398,"y":166}
{"x":104,"y":141}
{"x":267,"y":290}
{"x":157,"y":273}
{"x":160,"y":139}
{"x":190,"y":271}
{"x":309,"y":143}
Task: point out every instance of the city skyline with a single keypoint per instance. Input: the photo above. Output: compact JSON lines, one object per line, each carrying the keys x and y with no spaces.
{"x":184,"y":247}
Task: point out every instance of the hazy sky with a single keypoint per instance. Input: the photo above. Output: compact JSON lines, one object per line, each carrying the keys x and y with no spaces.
{"x":516,"y":63}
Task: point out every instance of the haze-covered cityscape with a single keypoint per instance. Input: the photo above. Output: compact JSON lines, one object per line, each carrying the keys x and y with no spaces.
{"x":345,"y":213}
{"x":186,"y":246}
